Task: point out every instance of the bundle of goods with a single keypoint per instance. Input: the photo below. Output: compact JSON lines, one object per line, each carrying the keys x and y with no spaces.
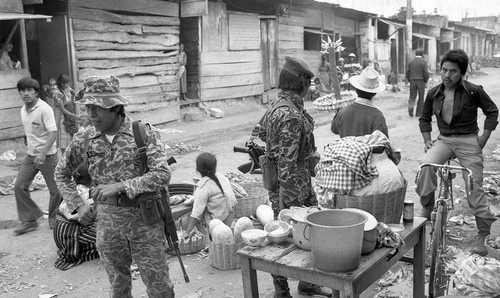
{"x":350,"y":175}
{"x":181,"y":193}
{"x":329,"y":102}
{"x":224,"y":243}
{"x":239,"y":177}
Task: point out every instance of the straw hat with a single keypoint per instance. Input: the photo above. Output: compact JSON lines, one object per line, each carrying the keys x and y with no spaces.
{"x":367,"y":81}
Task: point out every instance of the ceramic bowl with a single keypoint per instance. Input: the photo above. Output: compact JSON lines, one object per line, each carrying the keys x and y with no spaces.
{"x":277,"y":231}
{"x":254,"y":237}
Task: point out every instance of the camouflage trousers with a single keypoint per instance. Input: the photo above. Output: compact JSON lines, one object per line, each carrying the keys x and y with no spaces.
{"x":121,"y":237}
{"x":303,"y":195}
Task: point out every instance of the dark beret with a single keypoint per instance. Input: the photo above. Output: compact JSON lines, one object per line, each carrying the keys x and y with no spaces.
{"x":297,"y":66}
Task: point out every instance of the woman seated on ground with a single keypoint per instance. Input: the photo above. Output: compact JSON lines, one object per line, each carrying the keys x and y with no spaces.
{"x":213,"y":196}
{"x":75,"y":242}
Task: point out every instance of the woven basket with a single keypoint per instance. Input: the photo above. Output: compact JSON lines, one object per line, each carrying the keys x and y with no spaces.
{"x":223,"y":256}
{"x":194,"y":245}
{"x":386,"y":208}
{"x":257,"y":195}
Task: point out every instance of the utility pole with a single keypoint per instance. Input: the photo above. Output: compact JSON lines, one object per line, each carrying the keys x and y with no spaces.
{"x":409,"y":29}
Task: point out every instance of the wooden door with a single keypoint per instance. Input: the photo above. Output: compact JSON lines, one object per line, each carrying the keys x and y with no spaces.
{"x":53,"y":47}
{"x":269,"y":53}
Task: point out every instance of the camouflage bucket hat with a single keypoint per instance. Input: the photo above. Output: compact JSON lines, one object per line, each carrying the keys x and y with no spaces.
{"x":103,"y":92}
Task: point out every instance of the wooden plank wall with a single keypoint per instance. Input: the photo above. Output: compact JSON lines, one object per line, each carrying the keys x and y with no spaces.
{"x":136,"y":41}
{"x":11,"y":126}
{"x":291,"y":35}
{"x":226,"y":74}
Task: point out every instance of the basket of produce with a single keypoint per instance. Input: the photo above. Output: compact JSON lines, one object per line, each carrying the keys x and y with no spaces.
{"x":330,"y":103}
{"x":256,"y":195}
{"x":181,"y":193}
{"x":386,"y":207}
{"x":225,"y":243}
{"x":193,"y":244}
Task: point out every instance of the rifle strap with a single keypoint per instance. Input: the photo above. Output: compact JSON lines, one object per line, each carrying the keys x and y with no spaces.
{"x":138,"y":128}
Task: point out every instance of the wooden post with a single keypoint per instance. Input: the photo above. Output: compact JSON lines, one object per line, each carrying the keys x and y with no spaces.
{"x":333,"y":73}
{"x":409,"y":31}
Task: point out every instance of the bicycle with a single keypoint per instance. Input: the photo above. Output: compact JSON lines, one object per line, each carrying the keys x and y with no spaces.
{"x":441,"y":213}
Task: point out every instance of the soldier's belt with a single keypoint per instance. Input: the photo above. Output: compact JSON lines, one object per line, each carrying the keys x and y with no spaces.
{"x":121,"y":201}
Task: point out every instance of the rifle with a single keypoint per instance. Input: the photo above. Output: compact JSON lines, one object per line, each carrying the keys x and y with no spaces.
{"x":170,"y":229}
{"x":169,"y":224}
{"x":163,"y":204}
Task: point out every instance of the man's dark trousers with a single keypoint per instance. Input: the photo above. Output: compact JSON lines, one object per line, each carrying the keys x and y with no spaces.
{"x":416,"y":86}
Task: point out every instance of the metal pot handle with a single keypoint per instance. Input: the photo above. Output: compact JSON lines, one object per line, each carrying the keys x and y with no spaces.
{"x":304,"y":232}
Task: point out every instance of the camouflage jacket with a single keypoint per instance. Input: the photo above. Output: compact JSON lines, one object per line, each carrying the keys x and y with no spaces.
{"x":114,"y":162}
{"x":289,"y":129}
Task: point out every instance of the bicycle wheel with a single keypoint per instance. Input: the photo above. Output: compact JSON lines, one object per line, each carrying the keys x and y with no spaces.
{"x":437,"y":279}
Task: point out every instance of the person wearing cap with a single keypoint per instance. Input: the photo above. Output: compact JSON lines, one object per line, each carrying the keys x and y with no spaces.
{"x":417,"y":73}
{"x":288,"y":133}
{"x":40,"y":129}
{"x":361,"y":117}
{"x":352,"y":67}
{"x":113,"y":164}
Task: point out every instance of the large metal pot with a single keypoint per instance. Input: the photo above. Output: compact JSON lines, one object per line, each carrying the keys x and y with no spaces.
{"x":299,"y":225}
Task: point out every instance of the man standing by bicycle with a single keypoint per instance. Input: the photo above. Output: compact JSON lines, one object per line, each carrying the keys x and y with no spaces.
{"x":454,"y":103}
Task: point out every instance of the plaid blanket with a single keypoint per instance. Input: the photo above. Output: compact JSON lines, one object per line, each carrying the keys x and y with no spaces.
{"x":345,"y":163}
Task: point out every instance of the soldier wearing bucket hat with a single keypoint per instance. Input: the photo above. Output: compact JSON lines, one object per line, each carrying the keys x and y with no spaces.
{"x":361,"y":117}
{"x":109,"y":149}
{"x":288,"y":131}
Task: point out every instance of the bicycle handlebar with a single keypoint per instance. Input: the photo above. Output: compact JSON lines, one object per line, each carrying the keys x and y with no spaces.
{"x":240,"y":149}
{"x":450,"y":167}
{"x":445,"y":166}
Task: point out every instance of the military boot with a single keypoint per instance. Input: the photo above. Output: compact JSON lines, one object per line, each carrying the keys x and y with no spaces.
{"x":483,"y":226}
{"x":427,"y":203}
{"x":281,"y":289}
{"x":309,"y":289}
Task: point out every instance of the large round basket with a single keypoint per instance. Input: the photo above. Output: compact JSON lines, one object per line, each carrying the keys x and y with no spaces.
{"x":386,"y":208}
{"x":223,"y":256}
{"x":257,"y":195}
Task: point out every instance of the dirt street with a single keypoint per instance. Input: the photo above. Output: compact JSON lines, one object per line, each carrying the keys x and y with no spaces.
{"x":26,"y":261}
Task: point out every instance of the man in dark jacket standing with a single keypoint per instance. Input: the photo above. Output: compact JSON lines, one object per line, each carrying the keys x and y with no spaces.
{"x":417,"y":74}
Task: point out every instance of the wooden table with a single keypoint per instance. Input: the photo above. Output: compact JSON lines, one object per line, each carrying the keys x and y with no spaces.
{"x":290,"y":261}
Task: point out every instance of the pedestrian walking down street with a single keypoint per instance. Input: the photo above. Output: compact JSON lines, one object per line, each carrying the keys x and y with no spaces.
{"x":288,"y":132}
{"x":41,"y":130}
{"x":455,"y":102}
{"x":114,"y":163}
{"x":417,"y":74}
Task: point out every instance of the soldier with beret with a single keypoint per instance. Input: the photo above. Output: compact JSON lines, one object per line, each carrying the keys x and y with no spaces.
{"x":115,"y":167}
{"x":288,"y":131}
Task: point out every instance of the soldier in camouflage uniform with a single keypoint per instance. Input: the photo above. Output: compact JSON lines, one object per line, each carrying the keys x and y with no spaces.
{"x":115,"y":167}
{"x":291,"y":144}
